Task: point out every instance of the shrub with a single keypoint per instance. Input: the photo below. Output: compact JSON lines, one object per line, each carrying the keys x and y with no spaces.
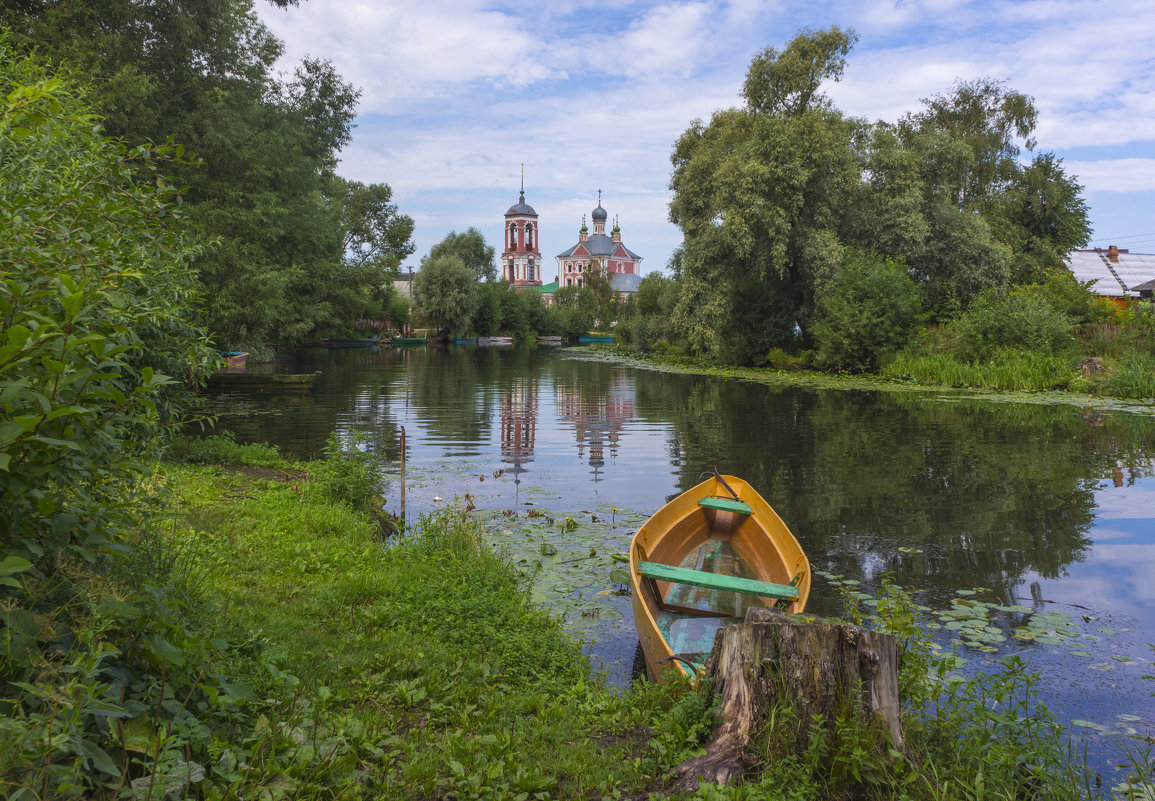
{"x":867,"y":311}
{"x":1023,"y":319}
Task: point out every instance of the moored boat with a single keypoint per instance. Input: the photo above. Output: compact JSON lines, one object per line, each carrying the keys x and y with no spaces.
{"x":409,"y":340}
{"x":588,"y":340}
{"x":364,"y":342}
{"x":263,"y":382}
{"x":495,"y":340}
{"x":465,"y":340}
{"x":236,"y":358}
{"x":700,"y":561}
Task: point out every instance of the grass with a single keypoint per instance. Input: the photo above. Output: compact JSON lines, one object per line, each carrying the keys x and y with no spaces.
{"x":323,"y":661}
{"x":1006,"y":370}
{"x":430,"y":644}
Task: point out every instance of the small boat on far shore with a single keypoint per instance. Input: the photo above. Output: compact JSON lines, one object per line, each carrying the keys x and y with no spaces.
{"x":549,"y":340}
{"x":495,"y":340}
{"x":465,"y":341}
{"x":364,"y":342}
{"x":700,"y":561}
{"x":587,"y":340}
{"x":236,"y":358}
{"x":263,"y":382}
{"x":410,"y":341}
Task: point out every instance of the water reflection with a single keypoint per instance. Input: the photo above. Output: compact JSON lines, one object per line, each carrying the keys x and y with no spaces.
{"x":1048,"y":505}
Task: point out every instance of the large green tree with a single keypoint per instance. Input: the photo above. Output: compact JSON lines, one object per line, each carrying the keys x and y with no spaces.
{"x":445,"y":294}
{"x":473,"y":251}
{"x":770,"y":195}
{"x":97,"y":316}
{"x":757,"y":194}
{"x":292,"y":246}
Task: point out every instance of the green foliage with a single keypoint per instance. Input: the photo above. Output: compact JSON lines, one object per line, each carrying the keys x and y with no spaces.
{"x":865,"y":312}
{"x":445,"y":293}
{"x":1133,"y":377}
{"x":487,"y":318}
{"x":1023,"y":319}
{"x":222,"y":449}
{"x":95,"y":296}
{"x":300,"y":250}
{"x":348,"y":475}
{"x":573,"y":312}
{"x":473,"y":251}
{"x":1006,"y":370}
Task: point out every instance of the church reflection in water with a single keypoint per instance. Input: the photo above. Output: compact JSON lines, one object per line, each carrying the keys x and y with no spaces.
{"x":597,"y":419}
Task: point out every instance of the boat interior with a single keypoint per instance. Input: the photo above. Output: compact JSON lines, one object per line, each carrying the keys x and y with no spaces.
{"x":690,"y":616}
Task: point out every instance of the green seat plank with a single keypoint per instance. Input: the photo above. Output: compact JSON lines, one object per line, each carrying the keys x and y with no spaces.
{"x":725,"y":505}
{"x":717,"y":581}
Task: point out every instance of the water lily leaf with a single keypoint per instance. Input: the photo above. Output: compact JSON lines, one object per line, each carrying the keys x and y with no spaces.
{"x":1080,"y":653}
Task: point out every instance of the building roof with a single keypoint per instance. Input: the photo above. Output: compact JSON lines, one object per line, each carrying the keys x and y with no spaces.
{"x":599,"y":213}
{"x":1120,"y":279}
{"x":597,"y":245}
{"x":625,"y":282}
{"x":521,"y":208}
{"x":545,"y":289}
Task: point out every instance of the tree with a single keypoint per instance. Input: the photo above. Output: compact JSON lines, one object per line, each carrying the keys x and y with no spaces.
{"x":473,"y":251}
{"x":445,"y":294}
{"x":574,"y":310}
{"x":758,"y":195}
{"x":289,"y":261}
{"x":596,"y":279}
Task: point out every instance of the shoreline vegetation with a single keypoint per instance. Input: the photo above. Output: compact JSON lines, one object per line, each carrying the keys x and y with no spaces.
{"x":796,"y":375}
{"x":265,"y":640}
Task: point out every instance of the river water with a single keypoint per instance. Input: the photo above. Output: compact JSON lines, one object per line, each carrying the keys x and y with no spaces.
{"x":1023,"y":529}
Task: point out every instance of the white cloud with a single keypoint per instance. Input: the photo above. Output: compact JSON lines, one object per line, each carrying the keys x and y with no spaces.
{"x":1114,"y":175}
{"x":589,"y":94}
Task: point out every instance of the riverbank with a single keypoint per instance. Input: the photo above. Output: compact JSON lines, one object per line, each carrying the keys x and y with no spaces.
{"x":417,"y":667}
{"x":688,"y":365}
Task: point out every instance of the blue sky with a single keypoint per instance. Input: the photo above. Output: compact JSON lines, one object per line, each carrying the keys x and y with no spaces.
{"x":456,"y":95}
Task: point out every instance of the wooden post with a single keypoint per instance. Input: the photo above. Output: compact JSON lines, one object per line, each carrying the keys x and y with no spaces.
{"x":402,"y":474}
{"x":816,"y":667}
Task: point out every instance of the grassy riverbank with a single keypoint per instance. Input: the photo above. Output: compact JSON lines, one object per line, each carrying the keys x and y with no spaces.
{"x":267,"y":640}
{"x":997,"y":382}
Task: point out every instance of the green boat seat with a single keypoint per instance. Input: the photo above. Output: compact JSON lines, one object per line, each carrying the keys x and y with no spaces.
{"x":725,"y":505}
{"x":717,"y":581}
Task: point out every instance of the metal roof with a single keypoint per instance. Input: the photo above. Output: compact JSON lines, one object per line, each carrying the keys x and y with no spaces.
{"x":624,"y":282}
{"x":1112,"y":279}
{"x":521,"y":207}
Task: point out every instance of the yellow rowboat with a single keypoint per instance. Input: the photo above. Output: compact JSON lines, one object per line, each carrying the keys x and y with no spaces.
{"x":700,"y":561}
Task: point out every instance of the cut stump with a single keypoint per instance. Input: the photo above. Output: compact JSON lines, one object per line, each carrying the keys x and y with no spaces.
{"x":816,"y":667}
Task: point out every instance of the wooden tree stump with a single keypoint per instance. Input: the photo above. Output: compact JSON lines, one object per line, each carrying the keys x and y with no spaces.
{"x":812,"y":665}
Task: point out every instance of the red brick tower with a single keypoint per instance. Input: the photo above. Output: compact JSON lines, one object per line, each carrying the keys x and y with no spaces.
{"x":521,"y":259}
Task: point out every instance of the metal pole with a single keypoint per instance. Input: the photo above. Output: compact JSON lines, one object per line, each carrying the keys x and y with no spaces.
{"x":402,"y":474}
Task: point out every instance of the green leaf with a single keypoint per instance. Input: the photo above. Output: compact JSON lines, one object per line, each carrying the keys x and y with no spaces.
{"x":18,"y":335}
{"x":13,"y":565}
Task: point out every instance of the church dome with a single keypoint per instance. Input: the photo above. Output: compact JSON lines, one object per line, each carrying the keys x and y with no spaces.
{"x":600,"y":213}
{"x":521,"y":207}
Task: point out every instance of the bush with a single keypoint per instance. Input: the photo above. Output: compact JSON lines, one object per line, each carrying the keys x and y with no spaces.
{"x":867,"y":312}
{"x":1023,"y":319}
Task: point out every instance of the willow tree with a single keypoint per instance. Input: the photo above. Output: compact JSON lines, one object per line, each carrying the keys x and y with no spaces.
{"x":757,"y":194}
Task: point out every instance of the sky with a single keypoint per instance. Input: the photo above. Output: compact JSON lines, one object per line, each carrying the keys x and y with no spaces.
{"x":457,"y":95}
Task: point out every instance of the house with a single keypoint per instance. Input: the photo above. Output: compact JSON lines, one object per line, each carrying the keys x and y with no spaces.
{"x":1114,"y":273}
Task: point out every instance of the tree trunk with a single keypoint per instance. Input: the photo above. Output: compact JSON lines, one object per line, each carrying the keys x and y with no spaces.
{"x":815,"y":667}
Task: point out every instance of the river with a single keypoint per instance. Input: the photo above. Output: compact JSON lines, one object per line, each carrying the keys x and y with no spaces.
{"x":1042,"y":514}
